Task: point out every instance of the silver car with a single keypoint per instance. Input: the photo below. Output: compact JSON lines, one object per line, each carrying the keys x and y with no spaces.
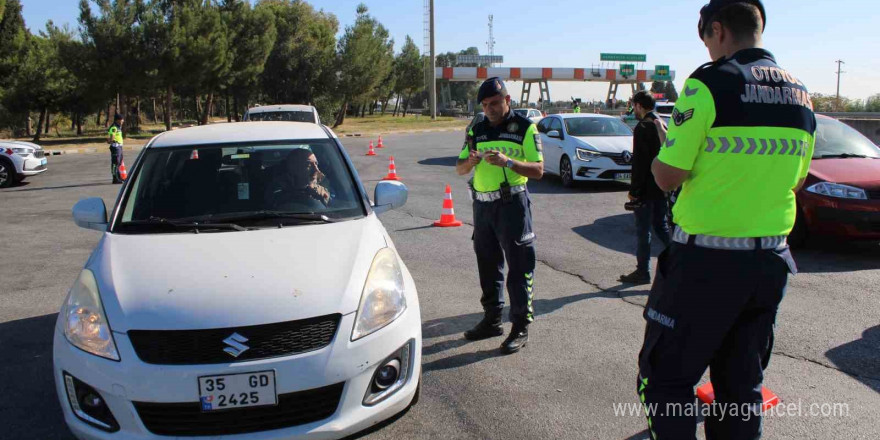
{"x":19,"y":160}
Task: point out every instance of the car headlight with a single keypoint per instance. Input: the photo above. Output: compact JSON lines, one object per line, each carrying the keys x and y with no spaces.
{"x":838,"y":190}
{"x":22,"y":151}
{"x":85,"y":324}
{"x":383,"y":299}
{"x":586,"y":155}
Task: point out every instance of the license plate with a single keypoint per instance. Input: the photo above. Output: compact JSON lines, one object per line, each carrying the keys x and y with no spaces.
{"x":237,"y":390}
{"x":623,"y":176}
{"x":44,"y":161}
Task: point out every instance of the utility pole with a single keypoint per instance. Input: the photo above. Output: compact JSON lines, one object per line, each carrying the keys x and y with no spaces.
{"x":837,"y":102}
{"x":433,"y":88}
{"x":491,"y":42}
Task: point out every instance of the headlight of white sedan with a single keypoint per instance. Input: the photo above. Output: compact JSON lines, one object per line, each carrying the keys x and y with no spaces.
{"x":24,"y":152}
{"x":837,"y":190}
{"x":586,"y":155}
{"x":85,"y":324}
{"x":383,"y":299}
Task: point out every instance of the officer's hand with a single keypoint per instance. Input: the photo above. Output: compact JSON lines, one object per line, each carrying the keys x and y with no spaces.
{"x":496,"y":158}
{"x":661,"y":130}
{"x":474,"y":158}
{"x":630,"y":197}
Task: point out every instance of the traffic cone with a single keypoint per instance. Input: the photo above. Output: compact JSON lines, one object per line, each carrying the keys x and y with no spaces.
{"x":447,"y":218}
{"x":707,"y":394}
{"x":392,"y":170}
{"x":123,"y":173}
{"x":380,"y":143}
{"x":194,"y":155}
{"x":372,"y":152}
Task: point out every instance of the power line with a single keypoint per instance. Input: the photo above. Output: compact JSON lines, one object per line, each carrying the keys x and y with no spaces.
{"x":839,"y":72}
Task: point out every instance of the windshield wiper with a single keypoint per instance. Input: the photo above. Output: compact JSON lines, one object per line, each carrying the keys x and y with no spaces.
{"x":267,"y":214}
{"x":843,"y":156}
{"x":189,"y":224}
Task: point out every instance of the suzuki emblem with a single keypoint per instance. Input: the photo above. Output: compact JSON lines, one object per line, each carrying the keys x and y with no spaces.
{"x":236,"y":345}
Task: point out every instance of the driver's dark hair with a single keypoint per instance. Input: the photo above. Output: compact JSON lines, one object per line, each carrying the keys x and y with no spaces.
{"x":645,"y":99}
{"x":742,"y":20}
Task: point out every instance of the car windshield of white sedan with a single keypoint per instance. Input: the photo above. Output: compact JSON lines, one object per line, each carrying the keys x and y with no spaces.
{"x":834,"y":139}
{"x":596,"y":127}
{"x":246,"y":185}
{"x":284,"y":116}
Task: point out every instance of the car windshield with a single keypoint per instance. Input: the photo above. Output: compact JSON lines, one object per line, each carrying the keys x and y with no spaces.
{"x":836,"y":139}
{"x":285,"y":116}
{"x":522,"y":112}
{"x":665,"y":109}
{"x":596,"y":127}
{"x":240,"y":183}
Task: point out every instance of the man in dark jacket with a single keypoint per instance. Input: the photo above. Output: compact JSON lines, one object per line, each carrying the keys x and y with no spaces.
{"x":644,"y":194}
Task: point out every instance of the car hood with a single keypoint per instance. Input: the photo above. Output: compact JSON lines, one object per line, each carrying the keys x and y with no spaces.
{"x":863,"y":173}
{"x":231,"y":279}
{"x":608,"y":144}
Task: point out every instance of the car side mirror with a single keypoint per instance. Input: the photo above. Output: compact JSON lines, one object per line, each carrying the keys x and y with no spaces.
{"x":554,"y":134}
{"x":389,"y":195}
{"x":91,"y":214}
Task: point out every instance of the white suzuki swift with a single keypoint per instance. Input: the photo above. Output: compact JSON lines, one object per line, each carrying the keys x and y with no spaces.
{"x":243,"y":288}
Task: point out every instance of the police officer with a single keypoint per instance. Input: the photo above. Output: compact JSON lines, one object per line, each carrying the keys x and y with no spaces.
{"x":505,"y":150}
{"x":114,"y":138}
{"x":740,"y":142}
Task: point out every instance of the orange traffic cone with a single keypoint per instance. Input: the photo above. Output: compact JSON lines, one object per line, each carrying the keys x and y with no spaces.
{"x":123,"y":173}
{"x":372,"y":152}
{"x":194,"y":155}
{"x":392,"y":170}
{"x":447,"y":218}
{"x":707,"y":394}
{"x":380,"y":143}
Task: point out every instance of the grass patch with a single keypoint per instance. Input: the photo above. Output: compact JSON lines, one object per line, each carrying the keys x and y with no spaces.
{"x":387,"y":124}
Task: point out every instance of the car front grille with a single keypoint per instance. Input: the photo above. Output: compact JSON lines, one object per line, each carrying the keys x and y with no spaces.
{"x":39,"y":154}
{"x":189,"y":347}
{"x":618,"y":158}
{"x":293,"y":409}
{"x":873,"y":194}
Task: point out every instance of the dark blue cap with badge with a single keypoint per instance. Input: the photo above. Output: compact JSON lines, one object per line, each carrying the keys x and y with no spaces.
{"x":713,"y":7}
{"x":491,"y":87}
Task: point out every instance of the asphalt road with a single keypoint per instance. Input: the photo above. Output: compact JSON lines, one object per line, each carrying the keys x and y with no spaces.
{"x":581,"y":357}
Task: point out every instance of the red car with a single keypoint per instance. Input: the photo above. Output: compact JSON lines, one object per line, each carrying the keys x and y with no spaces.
{"x":841,"y":196}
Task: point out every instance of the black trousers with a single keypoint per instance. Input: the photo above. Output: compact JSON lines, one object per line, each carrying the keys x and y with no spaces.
{"x":504,"y":229}
{"x":717,"y":309}
{"x":115,"y":160}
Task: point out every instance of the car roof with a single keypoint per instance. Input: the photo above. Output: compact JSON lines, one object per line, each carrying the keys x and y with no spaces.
{"x":233,"y":132}
{"x":281,"y":108}
{"x":584,"y":115}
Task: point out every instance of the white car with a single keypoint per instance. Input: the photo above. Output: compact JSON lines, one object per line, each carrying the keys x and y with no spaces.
{"x":664,"y":110}
{"x":586,"y":146}
{"x":533,"y":114}
{"x":283,"y":112}
{"x":231,"y":297}
{"x":19,"y":160}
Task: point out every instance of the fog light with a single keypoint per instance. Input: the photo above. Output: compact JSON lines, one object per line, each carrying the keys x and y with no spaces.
{"x":387,"y":375}
{"x":88,"y":405}
{"x":393,"y":373}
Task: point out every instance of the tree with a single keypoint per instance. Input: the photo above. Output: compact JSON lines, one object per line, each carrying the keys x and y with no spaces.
{"x":409,"y":68}
{"x":872,"y":104}
{"x":670,"y":92}
{"x":252,"y":36}
{"x":460,"y":91}
{"x":13,"y":51}
{"x":365,"y":56}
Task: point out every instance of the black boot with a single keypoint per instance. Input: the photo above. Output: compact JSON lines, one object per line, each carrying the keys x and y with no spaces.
{"x":488,"y":327}
{"x":637,"y":277}
{"x":517,"y":339}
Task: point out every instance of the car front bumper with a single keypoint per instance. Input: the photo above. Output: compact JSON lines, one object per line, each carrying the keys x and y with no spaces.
{"x":852,"y":219}
{"x":343,"y":361}
{"x":600,"y":169}
{"x":34,"y":166}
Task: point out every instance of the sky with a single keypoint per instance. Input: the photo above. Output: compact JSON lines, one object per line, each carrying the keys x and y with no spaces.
{"x":806,"y":37}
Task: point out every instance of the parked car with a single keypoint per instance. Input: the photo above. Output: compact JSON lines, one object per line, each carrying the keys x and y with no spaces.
{"x":243,"y":286}
{"x":19,"y":160}
{"x":664,"y":110}
{"x":586,"y":146}
{"x":284,"y":112}
{"x":534,"y":114}
{"x":841,"y":195}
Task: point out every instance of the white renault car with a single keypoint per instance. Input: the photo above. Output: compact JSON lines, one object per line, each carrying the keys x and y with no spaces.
{"x":19,"y":160}
{"x":583,"y":146}
{"x":283,"y":112}
{"x":242,"y":288}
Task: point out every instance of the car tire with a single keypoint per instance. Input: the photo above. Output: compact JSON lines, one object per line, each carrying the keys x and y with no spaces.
{"x":8,"y":176}
{"x":797,"y":238}
{"x":565,"y":172}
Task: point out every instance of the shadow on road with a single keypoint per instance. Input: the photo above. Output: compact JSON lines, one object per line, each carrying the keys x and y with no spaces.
{"x":439,"y":161}
{"x":616,"y":232}
{"x":30,"y":408}
{"x":860,"y":358}
{"x":83,"y":185}
{"x":824,"y":256}
{"x":552,"y":185}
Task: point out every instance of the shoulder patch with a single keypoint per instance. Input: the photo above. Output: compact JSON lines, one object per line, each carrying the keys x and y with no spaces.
{"x":681,"y":117}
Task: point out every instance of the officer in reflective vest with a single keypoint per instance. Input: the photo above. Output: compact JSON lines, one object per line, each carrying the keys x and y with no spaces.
{"x":114,"y":138}
{"x":739,"y":144}
{"x":504,"y":149}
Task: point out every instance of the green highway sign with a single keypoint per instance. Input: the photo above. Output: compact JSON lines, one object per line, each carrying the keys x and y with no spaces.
{"x":627,"y":69}
{"x":628,"y":57}
{"x":661,"y":73}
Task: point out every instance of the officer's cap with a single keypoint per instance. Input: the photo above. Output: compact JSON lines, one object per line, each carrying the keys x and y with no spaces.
{"x":491,"y":87}
{"x":714,"y":6}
